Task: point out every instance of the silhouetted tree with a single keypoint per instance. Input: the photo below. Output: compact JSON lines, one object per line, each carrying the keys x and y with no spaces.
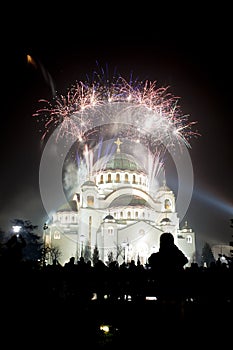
{"x":110,"y":257}
{"x":33,"y":241}
{"x":207,"y":256}
{"x":120,"y":251}
{"x":95,"y":256}
{"x":55,"y":253}
{"x":2,"y":241}
{"x":87,"y":253}
{"x":14,"y":252}
{"x":45,"y":255}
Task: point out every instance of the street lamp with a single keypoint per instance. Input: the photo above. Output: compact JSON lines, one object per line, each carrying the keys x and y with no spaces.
{"x":45,"y":227}
{"x":16,"y":229}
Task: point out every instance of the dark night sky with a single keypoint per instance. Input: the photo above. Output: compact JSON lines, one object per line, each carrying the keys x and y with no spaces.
{"x":193,"y":57}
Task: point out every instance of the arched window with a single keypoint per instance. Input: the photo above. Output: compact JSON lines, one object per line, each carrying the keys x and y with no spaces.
{"x":56,"y":235}
{"x":110,"y":230}
{"x":109,"y":178}
{"x":167,"y":204}
{"x":189,"y":239}
{"x":134,"y":179}
{"x":90,"y":201}
{"x":117,"y":177}
{"x":129,"y":214}
{"x":126,"y":178}
{"x":101,"y":179}
{"x":121,"y":214}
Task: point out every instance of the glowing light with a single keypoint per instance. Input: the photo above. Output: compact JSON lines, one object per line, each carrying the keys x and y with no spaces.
{"x":214,"y":200}
{"x":16,"y":228}
{"x":105,"y":328}
{"x":31,"y":61}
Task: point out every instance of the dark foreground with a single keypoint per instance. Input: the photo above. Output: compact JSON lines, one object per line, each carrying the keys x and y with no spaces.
{"x":144,"y":323}
{"x":48,"y":313}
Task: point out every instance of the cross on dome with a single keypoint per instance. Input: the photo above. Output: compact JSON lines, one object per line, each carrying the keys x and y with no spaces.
{"x":118,"y":143}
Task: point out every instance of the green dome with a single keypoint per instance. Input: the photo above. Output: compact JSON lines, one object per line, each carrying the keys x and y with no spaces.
{"x":123,"y":161}
{"x":129,"y":200}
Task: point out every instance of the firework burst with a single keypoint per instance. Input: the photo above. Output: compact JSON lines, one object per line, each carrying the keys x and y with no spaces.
{"x":138,"y":110}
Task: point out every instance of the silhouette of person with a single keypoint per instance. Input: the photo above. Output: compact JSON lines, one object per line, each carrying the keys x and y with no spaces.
{"x":167,"y":266}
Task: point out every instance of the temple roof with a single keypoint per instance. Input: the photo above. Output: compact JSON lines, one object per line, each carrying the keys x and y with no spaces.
{"x":129,"y":200}
{"x":123,"y":161}
{"x":69,"y":206}
{"x":89,"y":183}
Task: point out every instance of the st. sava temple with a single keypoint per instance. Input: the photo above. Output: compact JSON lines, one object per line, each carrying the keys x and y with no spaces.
{"x":118,"y":213}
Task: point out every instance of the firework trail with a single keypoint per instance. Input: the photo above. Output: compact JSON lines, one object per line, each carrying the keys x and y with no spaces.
{"x":138,"y":110}
{"x":46,"y":75}
{"x":103,"y":155}
{"x":155,"y":166}
{"x":100,"y":147}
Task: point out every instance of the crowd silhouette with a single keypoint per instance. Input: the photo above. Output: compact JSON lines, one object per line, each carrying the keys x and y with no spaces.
{"x":166,"y":276}
{"x":176,"y":292}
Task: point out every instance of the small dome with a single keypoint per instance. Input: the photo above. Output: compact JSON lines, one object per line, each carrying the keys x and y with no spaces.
{"x":109,"y":217}
{"x":89,"y":183}
{"x":185,"y":227}
{"x":165,"y":221}
{"x":164,"y":188}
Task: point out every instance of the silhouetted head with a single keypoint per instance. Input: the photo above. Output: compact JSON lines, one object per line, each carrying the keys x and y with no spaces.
{"x":166,"y":240}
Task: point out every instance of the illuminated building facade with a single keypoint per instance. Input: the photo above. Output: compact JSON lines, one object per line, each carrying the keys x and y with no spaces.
{"x":116,"y":212}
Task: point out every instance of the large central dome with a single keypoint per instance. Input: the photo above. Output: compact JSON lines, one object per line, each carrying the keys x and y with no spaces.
{"x":123,"y":161}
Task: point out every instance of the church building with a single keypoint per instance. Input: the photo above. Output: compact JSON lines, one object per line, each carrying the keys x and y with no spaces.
{"x":116,"y":213}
